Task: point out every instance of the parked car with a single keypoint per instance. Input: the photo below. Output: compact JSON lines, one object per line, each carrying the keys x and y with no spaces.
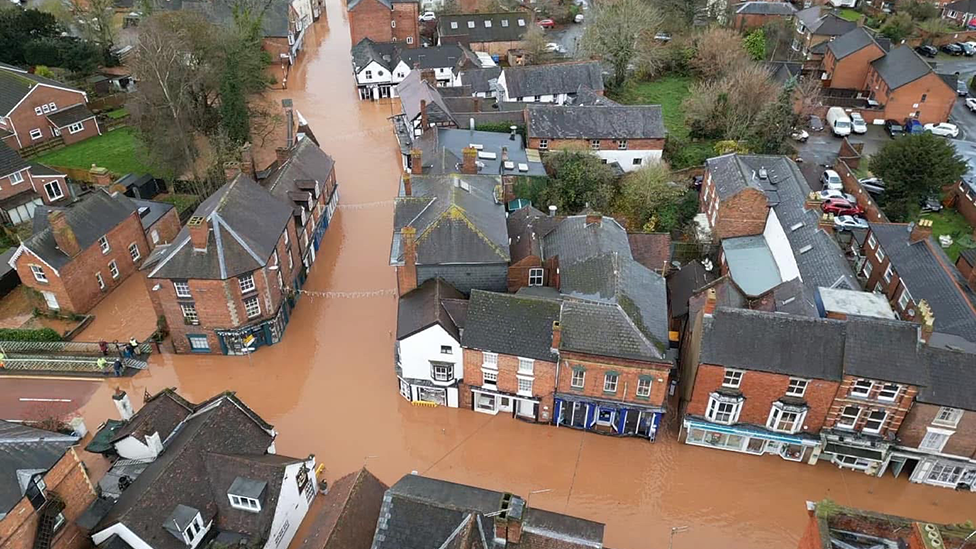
{"x":967,"y":48}
{"x":839,"y":206}
{"x":927,"y":51}
{"x":799,"y":134}
{"x":553,"y":47}
{"x":428,"y":16}
{"x":943,"y":129}
{"x":872,"y":185}
{"x":827,"y":194}
{"x":913,"y":126}
{"x":547,"y":23}
{"x":894,"y":128}
{"x":848,"y":222}
{"x":931,"y":204}
{"x":952,"y":49}
{"x":858,"y":124}
{"x":578,"y":18}
{"x":831,"y":180}
{"x":816,"y":124}
{"x":971,"y":103}
{"x":962,"y":88}
{"x":838,"y":121}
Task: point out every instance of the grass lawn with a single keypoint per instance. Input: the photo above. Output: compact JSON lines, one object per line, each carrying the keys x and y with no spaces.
{"x":849,"y":14}
{"x":952,"y":223}
{"x":669,"y":92}
{"x":182,"y":202}
{"x":117,"y":113}
{"x":119,"y":151}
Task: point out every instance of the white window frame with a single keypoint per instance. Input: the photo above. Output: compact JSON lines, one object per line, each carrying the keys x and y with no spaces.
{"x":886,"y":390}
{"x":487,"y":23}
{"x":537,"y":276}
{"x":872,"y":242}
{"x":193,"y":530}
{"x":252,"y":307}
{"x":113,"y":269}
{"x":104,"y":245}
{"x":948,"y":417}
{"x":732,"y":378}
{"x":582,"y":378}
{"x":471,"y":24}
{"x":489,"y":377}
{"x":777,"y":413}
{"x":868,"y":267}
{"x":525,"y":386}
{"x":904,"y":298}
{"x":190,"y":314}
{"x":36,"y":134}
{"x":521,"y":22}
{"x":76,"y":127}
{"x":526,"y":366}
{"x":644,"y":387}
{"x":610,"y":381}
{"x":621,"y":144}
{"x":505,"y":22}
{"x":56,"y":186}
{"x":848,"y":426}
{"x":182,"y":288}
{"x":856,"y":388}
{"x":16,"y":178}
{"x":934,"y":440}
{"x":454,"y":25}
{"x":244,"y":503}
{"x":879,"y":253}
{"x":134,"y":252}
{"x":717,"y":412}
{"x":797,"y":387}
{"x":52,"y":107}
{"x":442,"y":372}
{"x":39,"y":274}
{"x":543,"y":144}
{"x":594,"y":144}
{"x":489,"y":360}
{"x":881,"y":424}
{"x":246,"y":283}
{"x":38,"y":111}
{"x":887,"y":273}
{"x":100,"y":280}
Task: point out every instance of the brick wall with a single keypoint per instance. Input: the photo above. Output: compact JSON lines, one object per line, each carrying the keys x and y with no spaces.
{"x":851,"y":71}
{"x":68,"y":479}
{"x":495,"y":48}
{"x":8,"y":188}
{"x":605,"y":144}
{"x":747,"y":22}
{"x":964,"y":204}
{"x":851,"y":186}
{"x":406,"y":16}
{"x":166,"y":228}
{"x":913,"y":430}
{"x":543,"y":383}
{"x":41,"y":180}
{"x":741,"y":215}
{"x":370,"y":19}
{"x":628,"y":374}
{"x":896,"y":410}
{"x":968,"y":271}
{"x":901,"y":102}
{"x":891,"y":288}
{"x":25,"y":119}
{"x":518,"y":273}
{"x":89,"y":129}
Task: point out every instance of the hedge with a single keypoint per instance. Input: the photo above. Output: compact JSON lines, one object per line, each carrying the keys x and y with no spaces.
{"x":16,"y":334}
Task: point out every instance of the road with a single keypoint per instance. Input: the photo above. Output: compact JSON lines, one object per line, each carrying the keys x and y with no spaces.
{"x":27,"y":399}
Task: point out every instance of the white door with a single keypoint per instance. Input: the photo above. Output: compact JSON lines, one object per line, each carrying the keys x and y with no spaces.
{"x":505,"y":404}
{"x":526,"y":408}
{"x":51,"y":299}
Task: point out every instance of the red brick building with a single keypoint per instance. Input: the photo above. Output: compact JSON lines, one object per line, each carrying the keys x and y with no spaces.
{"x":384,"y":21}
{"x":966,"y":264}
{"x":34,"y":109}
{"x":847,"y":59}
{"x":964,"y":199}
{"x":753,"y":15}
{"x":734,"y":204}
{"x":80,"y":252}
{"x":160,"y":221}
{"x":25,"y":186}
{"x":56,"y":493}
{"x":832,"y":525}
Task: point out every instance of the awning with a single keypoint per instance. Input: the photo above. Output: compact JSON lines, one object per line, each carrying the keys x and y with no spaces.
{"x":102,"y":441}
{"x":746,"y":431}
{"x":866,"y":453}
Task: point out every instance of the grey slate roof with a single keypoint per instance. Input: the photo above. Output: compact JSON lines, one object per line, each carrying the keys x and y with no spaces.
{"x":884,"y":350}
{"x":824,"y":23}
{"x":480,"y":79}
{"x":412,"y":90}
{"x":70,"y":115}
{"x":765,"y":8}
{"x":433,"y":57}
{"x":306,"y":163}
{"x":951,"y":379}
{"x":511,"y":324}
{"x":526,"y":228}
{"x":585,"y":97}
{"x":557,"y":78}
{"x":784,"y":71}
{"x":424,"y":306}
{"x":901,"y":66}
{"x":367,"y":51}
{"x":574,"y":240}
{"x":10,"y":161}
{"x":623,"y":122}
{"x":275,"y":23}
{"x":504,"y":27}
{"x":91,"y":218}
{"x":15,"y":84}
{"x":245,"y":221}
{"x":963,"y":6}
{"x":852,"y":42}
{"x":41,"y":170}
{"x":23,"y":452}
{"x":928,"y":274}
{"x":457,"y":220}
{"x":443,"y":150}
{"x":151,"y":211}
{"x":728,"y":175}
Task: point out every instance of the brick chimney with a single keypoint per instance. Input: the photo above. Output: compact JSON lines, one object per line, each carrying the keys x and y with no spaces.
{"x":826,"y":223}
{"x":594,"y":219}
{"x":470,"y":163}
{"x":504,"y":154}
{"x":407,"y":273}
{"x":812,"y":202}
{"x":231,"y":170}
{"x":199,"y":230}
{"x":711,"y":299}
{"x":247,"y":161}
{"x":927,"y":318}
{"x":424,"y":120}
{"x":407,"y":185}
{"x":920,"y":230}
{"x":64,"y":235}
{"x":288,"y":106}
{"x":557,"y":335}
{"x":282,"y":154}
{"x":508,"y":520}
{"x":100,"y":176}
{"x":427,"y":75}
{"x":416,"y":161}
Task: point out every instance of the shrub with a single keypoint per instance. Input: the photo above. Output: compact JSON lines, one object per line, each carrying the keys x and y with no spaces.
{"x":40,"y":334}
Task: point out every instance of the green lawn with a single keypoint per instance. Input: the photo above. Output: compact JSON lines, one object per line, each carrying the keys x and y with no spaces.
{"x":119,"y":151}
{"x":182,"y":202}
{"x":117,"y":113}
{"x":952,"y":223}
{"x":669,"y":92}
{"x":849,"y":14}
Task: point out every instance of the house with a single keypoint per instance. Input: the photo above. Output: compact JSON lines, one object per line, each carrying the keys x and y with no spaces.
{"x":34,"y":109}
{"x":422,"y":107}
{"x":44,"y":488}
{"x":815,"y":26}
{"x":905,"y":86}
{"x":379,"y":67}
{"x":963,"y":197}
{"x":347,"y":517}
{"x":848,"y":59}
{"x":160,"y":221}
{"x":966,"y":264}
{"x":962,"y":12}
{"x":80,"y":252}
{"x":556,"y":83}
{"x":904,"y":263}
{"x":491,"y":33}
{"x":756,"y":14}
{"x":510,"y":355}
{"x":25,"y":186}
{"x":424,"y":512}
{"x":629,"y":136}
{"x":429,"y":363}
{"x":481,"y":82}
{"x":450,"y":227}
{"x":384,"y":21}
{"x":215,"y":479}
{"x":832,"y":525}
{"x":440,"y":151}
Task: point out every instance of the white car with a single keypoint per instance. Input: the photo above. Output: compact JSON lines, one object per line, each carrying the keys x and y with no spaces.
{"x":827,"y":194}
{"x":578,"y":18}
{"x":943,"y":129}
{"x":553,"y":47}
{"x":428,"y":16}
{"x":971,"y":103}
{"x":831,"y":180}
{"x":858,"y":124}
{"x":848,"y":222}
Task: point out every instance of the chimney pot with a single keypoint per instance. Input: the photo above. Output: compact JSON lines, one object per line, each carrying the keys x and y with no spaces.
{"x":231,"y":170}
{"x":100,"y":176}
{"x":64,"y":235}
{"x":247,"y":161}
{"x":927,"y":319}
{"x":407,"y":185}
{"x":199,"y":229}
{"x":552,"y":210}
{"x":416,"y":161}
{"x":282,"y":154}
{"x":469,"y":165}
{"x":557,"y":334}
{"x":711,"y":299}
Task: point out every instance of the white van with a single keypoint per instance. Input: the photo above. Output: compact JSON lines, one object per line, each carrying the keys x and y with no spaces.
{"x":838,"y":121}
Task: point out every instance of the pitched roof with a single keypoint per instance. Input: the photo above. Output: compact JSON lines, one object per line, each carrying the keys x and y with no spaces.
{"x":435,"y":57}
{"x":160,"y":414}
{"x":348,"y":513}
{"x":884,"y":350}
{"x":652,"y":250}
{"x":239,"y":240}
{"x":852,"y":42}
{"x":526,"y":228}
{"x":962,"y":6}
{"x":368,"y":51}
{"x":25,"y":451}
{"x":480,"y":79}
{"x":511,"y":324}
{"x":765,"y":8}
{"x":503,"y":27}
{"x":15,"y":84}
{"x":574,"y":239}
{"x":388,"y":3}
{"x":928,"y":274}
{"x":683,"y":283}
{"x":70,"y":115}
{"x":443,"y":148}
{"x":414,"y":89}
{"x":557,"y":78}
{"x":784,"y":71}
{"x":424,"y":306}
{"x":274,"y":23}
{"x":728,"y":176}
{"x":951,"y":378}
{"x":10,"y":160}
{"x":901,"y":66}
{"x":596,"y":122}
{"x":824,"y":24}
{"x":306,"y":166}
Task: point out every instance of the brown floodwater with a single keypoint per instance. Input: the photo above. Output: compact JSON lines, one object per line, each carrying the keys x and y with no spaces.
{"x":329,"y":388}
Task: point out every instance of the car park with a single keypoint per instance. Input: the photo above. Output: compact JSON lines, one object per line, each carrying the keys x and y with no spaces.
{"x":849,"y":222}
{"x":952,"y":49}
{"x":839,"y":206}
{"x":962,"y":88}
{"x":858,"y":125}
{"x":547,"y":23}
{"x":831,"y":180}
{"x":943,"y":129}
{"x":967,"y":48}
{"x":839,"y":122}
{"x":827,"y":194}
{"x":971,"y":103}
{"x":927,"y":51}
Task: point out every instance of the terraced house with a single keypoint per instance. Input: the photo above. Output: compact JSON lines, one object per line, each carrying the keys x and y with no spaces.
{"x":34,"y":109}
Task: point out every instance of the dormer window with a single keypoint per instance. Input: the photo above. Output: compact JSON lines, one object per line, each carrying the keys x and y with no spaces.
{"x":245,"y":504}
{"x":245,"y":494}
{"x":186,"y":525}
{"x":193,"y":532}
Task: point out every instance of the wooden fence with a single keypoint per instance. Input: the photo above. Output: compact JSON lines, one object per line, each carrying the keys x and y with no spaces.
{"x":107,"y":103}
{"x":42,"y":147}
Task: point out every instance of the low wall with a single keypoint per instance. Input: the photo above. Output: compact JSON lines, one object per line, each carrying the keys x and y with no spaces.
{"x":872,"y":212}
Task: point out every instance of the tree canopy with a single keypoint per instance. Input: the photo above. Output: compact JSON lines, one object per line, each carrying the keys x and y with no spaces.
{"x":616,"y":28}
{"x":915,"y":167}
{"x":653,"y":202}
{"x":577,"y":179}
{"x":32,"y":37}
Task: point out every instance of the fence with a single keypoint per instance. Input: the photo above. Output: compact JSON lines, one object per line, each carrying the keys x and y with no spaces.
{"x":67,"y":357}
{"x":42,"y":147}
{"x":108,"y":102}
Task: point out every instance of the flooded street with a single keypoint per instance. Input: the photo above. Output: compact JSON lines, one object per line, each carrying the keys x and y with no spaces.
{"x":329,"y":387}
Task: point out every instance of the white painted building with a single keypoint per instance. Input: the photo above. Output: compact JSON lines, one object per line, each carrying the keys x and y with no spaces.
{"x":555,"y":83}
{"x":379,"y":67}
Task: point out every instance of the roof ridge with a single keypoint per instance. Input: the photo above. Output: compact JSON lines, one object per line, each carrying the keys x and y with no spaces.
{"x":952,"y":279}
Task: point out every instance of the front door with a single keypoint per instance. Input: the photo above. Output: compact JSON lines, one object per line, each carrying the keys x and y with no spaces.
{"x":51,"y":300}
{"x":526,"y":408}
{"x":505,"y":404}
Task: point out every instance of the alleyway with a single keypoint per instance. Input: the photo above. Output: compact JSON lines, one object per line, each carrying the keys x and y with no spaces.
{"x":329,"y":387}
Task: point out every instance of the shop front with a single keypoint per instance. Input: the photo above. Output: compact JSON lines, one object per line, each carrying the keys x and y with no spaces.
{"x":492,"y":402}
{"x":249,"y":338}
{"x":426,"y":391}
{"x":866,"y":455}
{"x":747,"y":439}
{"x":607,"y":417}
{"x":958,"y":474}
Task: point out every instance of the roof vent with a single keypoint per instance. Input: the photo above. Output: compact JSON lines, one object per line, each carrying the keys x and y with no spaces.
{"x":806,"y":248}
{"x":763,"y":174}
{"x":509,"y":165}
{"x":523,"y":167}
{"x":487,"y":155}
{"x":476,"y":146}
{"x":143,"y":211}
{"x":795,"y":226}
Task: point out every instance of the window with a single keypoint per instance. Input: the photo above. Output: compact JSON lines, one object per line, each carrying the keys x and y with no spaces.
{"x":867,"y":269}
{"x":487,"y":24}
{"x":252,"y":307}
{"x":934,"y":441}
{"x":182,"y":288}
{"x":134,"y":252}
{"x":732,"y":378}
{"x":442,"y":372}
{"x":526,"y":366}
{"x":878,"y":288}
{"x":848,"y":417}
{"x":38,"y":111}
{"x":369,"y":74}
{"x":16,"y":178}
{"x":113,"y":269}
{"x":879,"y":253}
{"x":446,"y":349}
{"x":595,"y":144}
{"x":537,"y":98}
{"x":393,"y":24}
{"x":245,"y":503}
{"x":924,"y":97}
{"x":945,"y":474}
{"x":875,"y":421}
{"x":861,"y":388}
{"x":246,"y":282}
{"x":505,"y":22}
{"x":410,"y":40}
{"x":610,"y":383}
{"x":100,"y":280}
{"x":948,"y":417}
{"x":453,"y":24}
{"x":524,"y":386}
{"x":192,"y":532}
{"x":784,"y":421}
{"x":470,"y":24}
{"x":59,"y":522}
{"x":521,"y":22}
{"x":889,"y":392}
{"x":489,"y":360}
{"x":644,"y":387}
{"x":103,"y":244}
{"x":797,"y":387}
{"x":36,"y":134}
{"x":155,"y":236}
{"x":872,"y":243}
{"x":536,"y":276}
{"x":637,"y":161}
{"x":622,"y":144}
{"x":489,"y":378}
{"x":38,"y":273}
{"x":723,"y":409}
{"x":76,"y":127}
{"x":291,"y":261}
{"x":543,"y":144}
{"x":904,"y":299}
{"x":53,"y":190}
{"x":52,"y":107}
{"x":887,"y":273}
{"x":579,"y":377}
{"x":190,"y":313}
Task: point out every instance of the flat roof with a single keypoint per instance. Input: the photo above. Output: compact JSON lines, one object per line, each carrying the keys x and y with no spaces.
{"x":751,"y":264}
{"x":855,"y":302}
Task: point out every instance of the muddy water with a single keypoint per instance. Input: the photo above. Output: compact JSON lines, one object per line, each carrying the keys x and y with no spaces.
{"x":124,"y":313}
{"x":329,"y":387}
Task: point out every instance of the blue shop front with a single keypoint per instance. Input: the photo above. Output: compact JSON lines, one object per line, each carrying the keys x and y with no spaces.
{"x":607,"y":417}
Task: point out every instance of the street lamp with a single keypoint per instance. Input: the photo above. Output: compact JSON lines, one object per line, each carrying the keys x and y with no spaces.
{"x":675,"y":530}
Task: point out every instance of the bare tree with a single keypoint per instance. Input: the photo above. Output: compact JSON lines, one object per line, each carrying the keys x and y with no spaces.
{"x":96,"y":18}
{"x":808,"y":96}
{"x":718,"y":52}
{"x":727,"y":108}
{"x":615,"y":29}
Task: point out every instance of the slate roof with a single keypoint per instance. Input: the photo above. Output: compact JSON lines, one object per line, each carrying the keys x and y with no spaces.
{"x":504,"y":27}
{"x":928,"y":274}
{"x":652,"y":250}
{"x":414,"y":89}
{"x":526,"y":228}
{"x":852,"y":42}
{"x":951,"y":378}
{"x":434,"y":57}
{"x":91,"y":218}
{"x":774,"y":342}
{"x":160,"y":414}
{"x":784,"y":71}
{"x":480,"y":79}
{"x":457,"y":220}
{"x":617,"y":308}
{"x":367,"y":51}
{"x":10,"y":161}
{"x":901,"y":66}
{"x":41,"y":170}
{"x":306,"y":163}
{"x":443,"y":148}
{"x":423,"y":307}
{"x":509,"y":324}
{"x":969,"y":255}
{"x":963,"y":6}
{"x":25,"y":451}
{"x":151,"y":211}
{"x":15,"y":84}
{"x":765,"y":8}
{"x":274,"y":24}
{"x":826,"y":24}
{"x":585,"y":97}
{"x":728,"y":176}
{"x":70,"y":115}
{"x":347,"y":514}
{"x":683,"y":283}
{"x":240,"y":241}
{"x":574,"y":240}
{"x":556,"y":78}
{"x":596,"y":122}
{"x":884,"y":350}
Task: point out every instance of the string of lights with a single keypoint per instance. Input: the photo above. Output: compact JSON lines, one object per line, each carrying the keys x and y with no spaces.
{"x":343,"y":295}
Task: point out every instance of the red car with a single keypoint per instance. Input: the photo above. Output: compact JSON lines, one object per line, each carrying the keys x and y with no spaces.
{"x":839,"y":206}
{"x":547,"y":23}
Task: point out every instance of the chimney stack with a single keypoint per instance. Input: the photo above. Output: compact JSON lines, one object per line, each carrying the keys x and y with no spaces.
{"x":64,"y":235}
{"x":920,"y":230}
{"x":927,"y":318}
{"x":247,"y":161}
{"x":416,"y":161}
{"x":407,"y":185}
{"x":469,"y":165}
{"x":508,"y":520}
{"x":122,"y":404}
{"x":290,"y":121}
{"x":552,"y":210}
{"x":100,"y":176}
{"x":199,"y":230}
{"x":812,"y":202}
{"x":826,"y":223}
{"x":711,"y":299}
{"x":427,"y":75}
{"x":557,"y":335}
{"x":407,"y":273}
{"x":594,"y":219}
{"x":231,"y":170}
{"x":504,"y":154}
{"x":282,"y":154}
{"x":424,"y":120}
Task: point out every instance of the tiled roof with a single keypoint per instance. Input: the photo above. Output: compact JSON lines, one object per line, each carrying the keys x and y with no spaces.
{"x":70,"y":115}
{"x":952,"y":377}
{"x":884,"y":350}
{"x":307,"y":163}
{"x":821,"y":22}
{"x":652,"y":250}
{"x":574,"y":239}
{"x":511,"y":324}
{"x":348,"y":513}
{"x":597,"y":122}
{"x":480,"y":79}
{"x":368,"y":51}
{"x":765,"y":8}
{"x":424,"y":306}
{"x":10,"y":161}
{"x":414,"y":89}
{"x":531,"y":80}
{"x":25,"y":451}
{"x":852,"y":42}
{"x":901,"y":66}
{"x":15,"y":84}
{"x":472,"y":27}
